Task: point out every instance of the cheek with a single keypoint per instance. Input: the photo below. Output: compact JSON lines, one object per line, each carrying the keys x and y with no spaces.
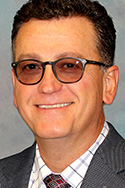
{"x":22,"y":100}
{"x":22,"y":94}
{"x":89,"y":89}
{"x":94,"y":82}
{"x":90,"y":98}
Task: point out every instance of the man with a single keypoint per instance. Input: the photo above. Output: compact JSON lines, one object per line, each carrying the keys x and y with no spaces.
{"x":63,"y":74}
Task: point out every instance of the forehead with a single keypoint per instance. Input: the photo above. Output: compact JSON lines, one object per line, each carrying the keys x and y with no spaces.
{"x":74,"y":34}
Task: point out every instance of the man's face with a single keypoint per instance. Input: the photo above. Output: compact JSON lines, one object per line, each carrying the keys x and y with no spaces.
{"x":82,"y":112}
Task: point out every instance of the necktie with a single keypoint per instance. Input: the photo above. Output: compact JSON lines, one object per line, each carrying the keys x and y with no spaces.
{"x":55,"y":181}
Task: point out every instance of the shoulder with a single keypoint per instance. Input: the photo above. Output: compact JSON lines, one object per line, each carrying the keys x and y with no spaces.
{"x":13,"y":163}
{"x":18,"y":156}
{"x":114,"y":142}
{"x":112,"y":151}
{"x":107,"y":168}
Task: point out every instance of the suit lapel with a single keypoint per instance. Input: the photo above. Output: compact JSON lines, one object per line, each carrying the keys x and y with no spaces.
{"x":107,"y":163}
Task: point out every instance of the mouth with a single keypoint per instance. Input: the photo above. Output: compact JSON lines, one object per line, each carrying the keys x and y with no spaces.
{"x":54,"y":105}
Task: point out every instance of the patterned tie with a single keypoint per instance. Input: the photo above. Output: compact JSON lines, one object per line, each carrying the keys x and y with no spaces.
{"x":55,"y":181}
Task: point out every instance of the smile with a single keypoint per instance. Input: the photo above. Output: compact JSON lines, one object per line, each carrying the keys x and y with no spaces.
{"x":54,"y":105}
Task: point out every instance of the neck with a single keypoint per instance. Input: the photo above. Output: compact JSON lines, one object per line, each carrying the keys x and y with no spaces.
{"x":58,"y":154}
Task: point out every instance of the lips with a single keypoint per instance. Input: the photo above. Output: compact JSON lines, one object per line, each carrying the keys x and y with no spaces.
{"x":61,"y":105}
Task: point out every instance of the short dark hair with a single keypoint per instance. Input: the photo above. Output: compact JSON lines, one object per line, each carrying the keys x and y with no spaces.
{"x":56,"y":9}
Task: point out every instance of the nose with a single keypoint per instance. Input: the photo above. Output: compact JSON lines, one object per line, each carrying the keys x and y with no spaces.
{"x":49,"y":83}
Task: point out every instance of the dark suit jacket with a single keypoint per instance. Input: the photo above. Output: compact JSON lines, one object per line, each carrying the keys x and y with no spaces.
{"x":107,"y":168}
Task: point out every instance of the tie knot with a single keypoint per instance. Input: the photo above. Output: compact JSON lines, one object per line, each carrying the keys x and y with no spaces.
{"x":55,"y":181}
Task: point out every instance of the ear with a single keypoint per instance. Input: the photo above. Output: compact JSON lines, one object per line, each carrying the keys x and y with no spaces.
{"x":14,"y":82}
{"x":110,"y":83}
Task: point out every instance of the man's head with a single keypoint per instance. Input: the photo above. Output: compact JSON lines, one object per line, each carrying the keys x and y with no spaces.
{"x":56,"y":9}
{"x":51,"y":108}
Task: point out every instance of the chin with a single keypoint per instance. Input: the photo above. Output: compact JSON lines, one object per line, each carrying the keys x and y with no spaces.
{"x":51,"y":135}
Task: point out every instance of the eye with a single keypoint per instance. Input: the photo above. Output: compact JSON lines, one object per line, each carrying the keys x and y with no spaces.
{"x":30,"y":66}
{"x":69,"y":65}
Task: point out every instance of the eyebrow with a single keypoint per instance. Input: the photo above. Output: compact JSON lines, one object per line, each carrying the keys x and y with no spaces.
{"x":58,"y":56}
{"x":69,"y":54}
{"x":28,"y":56}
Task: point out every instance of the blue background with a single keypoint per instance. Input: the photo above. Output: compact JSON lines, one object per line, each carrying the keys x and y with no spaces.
{"x":14,"y":133}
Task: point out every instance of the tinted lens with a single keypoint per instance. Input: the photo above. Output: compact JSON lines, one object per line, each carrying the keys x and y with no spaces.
{"x":69,"y":70}
{"x":29,"y":72}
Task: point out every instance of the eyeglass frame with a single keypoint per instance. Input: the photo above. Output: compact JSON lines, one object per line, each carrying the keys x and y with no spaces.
{"x":53,"y":63}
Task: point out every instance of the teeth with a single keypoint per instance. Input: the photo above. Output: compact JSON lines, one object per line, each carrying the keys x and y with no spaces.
{"x":54,"y":105}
